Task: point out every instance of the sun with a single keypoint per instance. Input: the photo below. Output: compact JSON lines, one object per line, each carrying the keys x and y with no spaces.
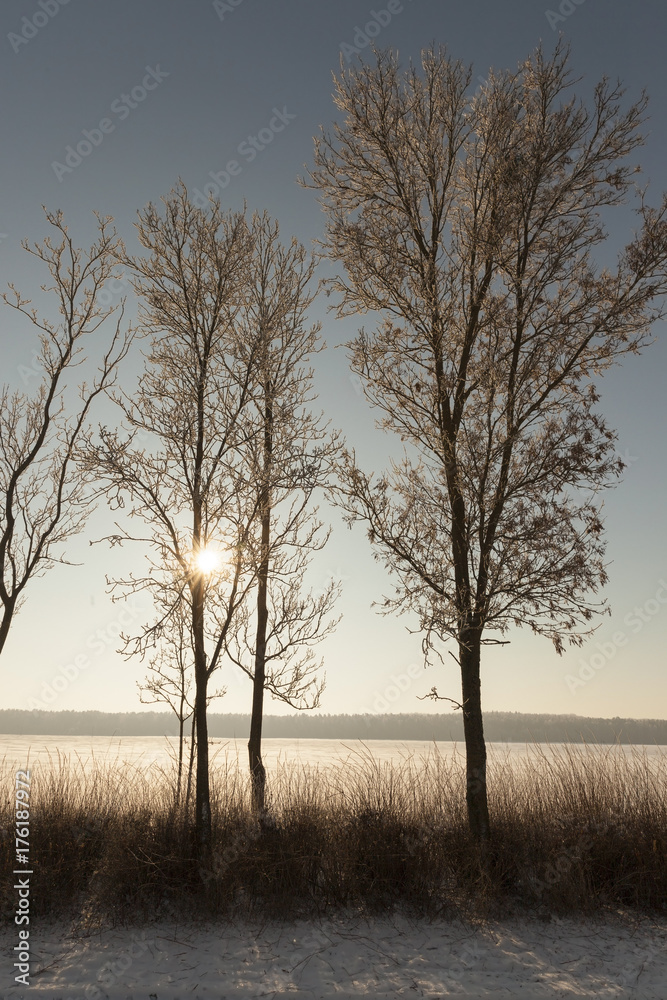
{"x":208,"y":560}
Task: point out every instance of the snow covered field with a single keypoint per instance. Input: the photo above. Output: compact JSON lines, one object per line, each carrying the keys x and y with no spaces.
{"x":348,"y":958}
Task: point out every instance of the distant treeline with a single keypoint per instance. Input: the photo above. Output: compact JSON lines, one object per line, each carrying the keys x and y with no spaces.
{"x":505,"y":727}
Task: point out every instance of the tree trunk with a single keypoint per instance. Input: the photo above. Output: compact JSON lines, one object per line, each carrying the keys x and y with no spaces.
{"x":193,"y":728}
{"x":179,"y":777}
{"x":5,"y":622}
{"x":473,"y":728}
{"x":202,"y":795}
{"x":257,"y":770}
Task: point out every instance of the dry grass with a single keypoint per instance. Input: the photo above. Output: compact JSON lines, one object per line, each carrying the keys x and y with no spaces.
{"x":576,"y":830}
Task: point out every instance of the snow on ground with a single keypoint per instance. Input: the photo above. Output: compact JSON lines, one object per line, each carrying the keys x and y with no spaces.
{"x":344,"y":958}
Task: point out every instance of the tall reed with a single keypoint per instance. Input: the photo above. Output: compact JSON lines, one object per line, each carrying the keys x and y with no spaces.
{"x":576,"y":829}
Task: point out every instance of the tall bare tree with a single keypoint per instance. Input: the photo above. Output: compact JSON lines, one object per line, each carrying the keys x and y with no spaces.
{"x":469,"y":222}
{"x":44,"y":499}
{"x":187,"y":485}
{"x":289,"y":454}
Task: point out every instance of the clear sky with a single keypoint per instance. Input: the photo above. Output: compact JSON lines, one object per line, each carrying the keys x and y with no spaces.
{"x":209,"y":76}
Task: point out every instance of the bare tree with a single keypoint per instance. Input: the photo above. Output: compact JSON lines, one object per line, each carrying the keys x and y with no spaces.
{"x":170,"y":683}
{"x":289,"y":454}
{"x":469,"y":223}
{"x":44,"y":498}
{"x":187,"y":486}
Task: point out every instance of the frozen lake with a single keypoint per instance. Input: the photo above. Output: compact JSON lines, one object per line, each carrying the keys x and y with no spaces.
{"x":144,"y":751}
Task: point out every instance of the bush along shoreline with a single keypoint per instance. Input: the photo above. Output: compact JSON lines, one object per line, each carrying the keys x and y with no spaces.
{"x":580,"y":832}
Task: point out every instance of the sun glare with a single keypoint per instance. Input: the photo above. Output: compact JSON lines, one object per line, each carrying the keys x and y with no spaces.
{"x":208,"y":560}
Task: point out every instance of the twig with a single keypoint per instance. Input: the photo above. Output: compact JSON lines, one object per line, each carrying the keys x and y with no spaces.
{"x":433,"y":694}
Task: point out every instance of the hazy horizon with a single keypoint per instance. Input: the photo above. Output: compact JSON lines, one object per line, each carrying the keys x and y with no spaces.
{"x":144,"y":709}
{"x":499,"y":727}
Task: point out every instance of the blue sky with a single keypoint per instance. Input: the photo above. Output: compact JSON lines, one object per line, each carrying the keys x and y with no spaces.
{"x":162,"y":89}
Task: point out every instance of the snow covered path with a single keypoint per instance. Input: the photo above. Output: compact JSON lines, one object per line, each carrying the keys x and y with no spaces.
{"x":341,"y":959}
